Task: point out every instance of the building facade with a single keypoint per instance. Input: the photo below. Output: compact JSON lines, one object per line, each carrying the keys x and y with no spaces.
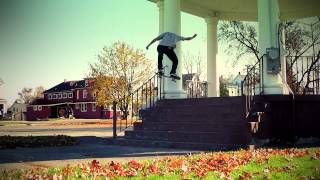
{"x":3,"y":108}
{"x":17,"y":111}
{"x":69,"y":99}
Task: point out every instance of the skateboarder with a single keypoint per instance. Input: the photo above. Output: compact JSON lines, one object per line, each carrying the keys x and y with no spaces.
{"x":166,"y":46}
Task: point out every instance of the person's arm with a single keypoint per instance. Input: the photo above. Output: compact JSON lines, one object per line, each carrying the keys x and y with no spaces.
{"x":154,"y":40}
{"x":190,"y":38}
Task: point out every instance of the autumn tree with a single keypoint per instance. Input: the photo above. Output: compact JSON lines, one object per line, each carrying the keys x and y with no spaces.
{"x":120,"y":70}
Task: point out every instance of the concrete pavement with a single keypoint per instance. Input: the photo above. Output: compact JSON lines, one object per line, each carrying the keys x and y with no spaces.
{"x":91,"y":135}
{"x":88,"y":149}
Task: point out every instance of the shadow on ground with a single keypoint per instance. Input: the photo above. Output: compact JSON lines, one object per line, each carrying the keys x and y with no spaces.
{"x":89,"y":147}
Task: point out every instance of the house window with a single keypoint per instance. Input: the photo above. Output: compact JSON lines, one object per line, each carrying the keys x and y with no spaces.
{"x":70,"y":95}
{"x":83,"y":107}
{"x":49,"y":96}
{"x":59,"y":96}
{"x":106,"y":107}
{"x":85,"y":93}
{"x":77,"y":94}
{"x":94,"y":107}
{"x":54,"y":96}
{"x":34,"y":108}
{"x":39,"y":108}
{"x":86,"y":83}
{"x":65,"y":95}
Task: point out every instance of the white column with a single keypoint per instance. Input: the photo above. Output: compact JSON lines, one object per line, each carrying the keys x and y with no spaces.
{"x":161,"y":15}
{"x":212,"y":50}
{"x":172,"y":23}
{"x":268,"y":16}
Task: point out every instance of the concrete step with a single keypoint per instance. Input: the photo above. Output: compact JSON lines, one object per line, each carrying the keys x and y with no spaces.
{"x":191,"y":126}
{"x":230,"y":108}
{"x":176,"y":145}
{"x":226,"y":137}
{"x":193,"y":117}
{"x":201,"y":101}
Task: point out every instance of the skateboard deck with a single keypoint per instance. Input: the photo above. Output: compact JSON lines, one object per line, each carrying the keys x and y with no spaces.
{"x":173,"y":78}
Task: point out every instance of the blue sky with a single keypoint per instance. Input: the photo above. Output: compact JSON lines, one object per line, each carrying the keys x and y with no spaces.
{"x":43,"y":42}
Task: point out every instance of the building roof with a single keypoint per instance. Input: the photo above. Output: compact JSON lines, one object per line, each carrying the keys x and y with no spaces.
{"x":18,"y":105}
{"x":246,"y":10}
{"x":68,"y":86}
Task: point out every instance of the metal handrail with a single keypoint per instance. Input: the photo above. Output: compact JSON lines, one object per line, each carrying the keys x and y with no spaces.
{"x":248,"y":85}
{"x":144,"y":97}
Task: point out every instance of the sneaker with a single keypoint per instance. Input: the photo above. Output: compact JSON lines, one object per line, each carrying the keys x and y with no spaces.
{"x":174,"y":75}
{"x":160,"y":72}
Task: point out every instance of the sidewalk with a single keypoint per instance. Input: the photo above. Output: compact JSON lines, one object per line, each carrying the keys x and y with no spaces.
{"x":89,"y":148}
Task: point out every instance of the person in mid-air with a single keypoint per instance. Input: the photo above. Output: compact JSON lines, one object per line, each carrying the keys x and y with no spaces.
{"x":166,"y":46}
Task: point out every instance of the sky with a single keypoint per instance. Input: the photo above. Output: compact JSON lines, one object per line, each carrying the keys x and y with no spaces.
{"x":43,"y":42}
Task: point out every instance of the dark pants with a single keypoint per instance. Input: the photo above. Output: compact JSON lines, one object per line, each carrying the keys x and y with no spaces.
{"x":171,"y":55}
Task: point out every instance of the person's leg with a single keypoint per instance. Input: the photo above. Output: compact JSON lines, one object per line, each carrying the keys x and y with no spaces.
{"x":173,"y":57}
{"x":160,"y":50}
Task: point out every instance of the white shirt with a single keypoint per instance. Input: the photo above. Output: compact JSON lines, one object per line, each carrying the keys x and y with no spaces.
{"x":170,"y":39}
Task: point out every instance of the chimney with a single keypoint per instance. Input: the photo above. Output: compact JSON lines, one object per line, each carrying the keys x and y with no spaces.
{"x":65,"y":80}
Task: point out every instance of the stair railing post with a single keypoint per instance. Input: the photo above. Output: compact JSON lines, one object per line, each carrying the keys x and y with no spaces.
{"x":114,"y":109}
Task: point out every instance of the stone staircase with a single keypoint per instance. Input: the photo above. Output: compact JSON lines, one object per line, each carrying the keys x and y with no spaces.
{"x":199,"y":124}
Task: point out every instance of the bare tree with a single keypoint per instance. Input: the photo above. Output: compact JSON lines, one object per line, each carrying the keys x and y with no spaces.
{"x":193,"y":63}
{"x":38,"y":93}
{"x":241,"y":38}
{"x":300,"y":40}
{"x":26,"y":95}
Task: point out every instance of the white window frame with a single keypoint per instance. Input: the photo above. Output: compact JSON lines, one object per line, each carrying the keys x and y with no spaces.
{"x":78,"y":94}
{"x":106,"y":107}
{"x":83,"y":107}
{"x":49,"y":96}
{"x":54,"y":96}
{"x":35,"y":108}
{"x":94,"y":107}
{"x":70,"y":95}
{"x":59,"y":96}
{"x":84,"y":94}
{"x":39,"y":108}
{"x":65,"y":95}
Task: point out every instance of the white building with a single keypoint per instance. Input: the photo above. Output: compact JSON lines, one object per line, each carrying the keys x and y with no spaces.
{"x":3,"y":107}
{"x":268,"y":13}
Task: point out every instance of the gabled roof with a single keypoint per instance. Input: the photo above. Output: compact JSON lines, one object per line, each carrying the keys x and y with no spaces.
{"x":64,"y":86}
{"x":67,"y":86}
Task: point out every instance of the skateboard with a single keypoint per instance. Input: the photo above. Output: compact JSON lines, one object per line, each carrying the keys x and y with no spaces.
{"x":173,"y":78}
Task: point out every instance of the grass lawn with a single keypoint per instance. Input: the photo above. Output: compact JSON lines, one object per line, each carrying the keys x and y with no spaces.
{"x":10,"y":142}
{"x":243,"y":164}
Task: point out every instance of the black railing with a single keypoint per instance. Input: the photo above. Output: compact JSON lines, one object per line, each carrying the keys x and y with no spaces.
{"x":133,"y":105}
{"x":252,"y":84}
{"x":303,"y":74}
{"x":196,"y":89}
